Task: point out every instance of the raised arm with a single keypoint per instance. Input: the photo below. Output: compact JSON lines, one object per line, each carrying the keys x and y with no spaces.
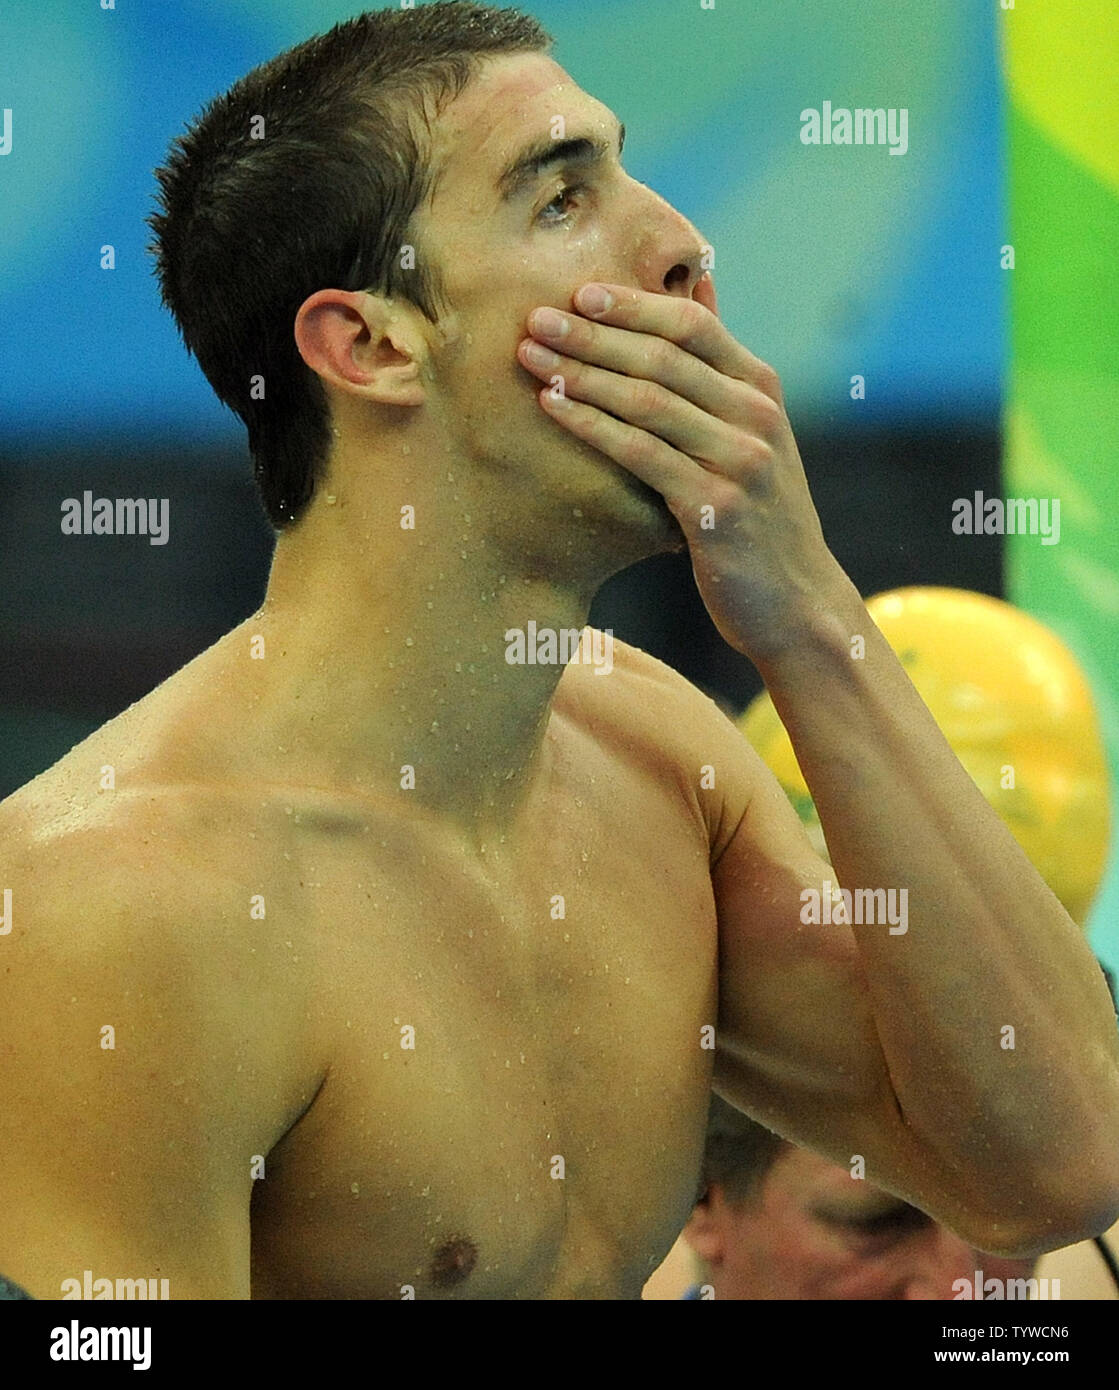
{"x":887,"y":1041}
{"x":998,"y":1045}
{"x":973,"y":1058}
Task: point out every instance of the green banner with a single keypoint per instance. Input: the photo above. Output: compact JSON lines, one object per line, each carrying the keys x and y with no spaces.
{"x":1061,"y":62}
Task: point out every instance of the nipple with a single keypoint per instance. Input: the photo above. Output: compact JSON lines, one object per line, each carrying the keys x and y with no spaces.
{"x":453,"y":1261}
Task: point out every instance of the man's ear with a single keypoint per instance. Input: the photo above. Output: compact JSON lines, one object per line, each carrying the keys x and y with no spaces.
{"x":361,"y":344}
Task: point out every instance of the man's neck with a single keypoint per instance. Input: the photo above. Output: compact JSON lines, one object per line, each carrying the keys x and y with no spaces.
{"x":386,"y":650}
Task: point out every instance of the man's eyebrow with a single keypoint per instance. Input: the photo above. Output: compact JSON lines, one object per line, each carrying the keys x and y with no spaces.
{"x":879,"y":1208}
{"x":546,"y":153}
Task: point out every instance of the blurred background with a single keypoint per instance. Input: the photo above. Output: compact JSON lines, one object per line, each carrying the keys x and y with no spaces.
{"x":830,"y":262}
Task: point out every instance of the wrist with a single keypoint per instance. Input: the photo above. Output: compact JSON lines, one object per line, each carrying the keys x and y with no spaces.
{"x":817,"y":632}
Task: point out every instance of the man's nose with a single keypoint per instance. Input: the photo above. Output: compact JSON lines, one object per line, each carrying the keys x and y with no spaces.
{"x":670,"y":251}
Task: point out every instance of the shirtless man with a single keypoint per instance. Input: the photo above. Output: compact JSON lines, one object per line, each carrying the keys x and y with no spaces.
{"x":279,"y":1022}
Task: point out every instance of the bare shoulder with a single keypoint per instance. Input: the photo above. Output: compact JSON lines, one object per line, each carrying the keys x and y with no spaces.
{"x":638,"y":705}
{"x":136,"y":811}
{"x":129,"y":931}
{"x":147,"y":1042}
{"x":93,"y":836}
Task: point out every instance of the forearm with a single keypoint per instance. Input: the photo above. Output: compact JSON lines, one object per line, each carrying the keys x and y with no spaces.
{"x":987,"y":946}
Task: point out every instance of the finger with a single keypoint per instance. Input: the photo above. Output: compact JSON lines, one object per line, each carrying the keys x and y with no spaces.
{"x":643,"y":357}
{"x":685,"y":322}
{"x":656,"y":463}
{"x":646,"y":404}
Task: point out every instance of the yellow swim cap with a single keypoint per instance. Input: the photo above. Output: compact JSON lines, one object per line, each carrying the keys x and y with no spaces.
{"x":1016,"y":708}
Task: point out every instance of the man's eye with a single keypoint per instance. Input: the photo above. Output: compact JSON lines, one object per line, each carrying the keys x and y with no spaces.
{"x":556,"y":210}
{"x":898,"y":1220}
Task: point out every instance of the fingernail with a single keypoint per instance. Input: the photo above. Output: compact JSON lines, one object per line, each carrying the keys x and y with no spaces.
{"x":594,"y":299}
{"x":541,"y":356}
{"x":550,"y":322}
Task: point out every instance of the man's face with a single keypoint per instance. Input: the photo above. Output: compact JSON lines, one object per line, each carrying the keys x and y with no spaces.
{"x":504,"y":250}
{"x":814,"y":1233}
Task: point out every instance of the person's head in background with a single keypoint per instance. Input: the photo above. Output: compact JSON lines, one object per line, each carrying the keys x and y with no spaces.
{"x":776,"y":1221}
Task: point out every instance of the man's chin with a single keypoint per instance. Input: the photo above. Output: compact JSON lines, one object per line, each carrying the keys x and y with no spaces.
{"x":659,"y":525}
{"x":633,"y":517}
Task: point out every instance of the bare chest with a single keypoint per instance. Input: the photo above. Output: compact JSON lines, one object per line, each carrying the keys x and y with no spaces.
{"x":518,"y":1084}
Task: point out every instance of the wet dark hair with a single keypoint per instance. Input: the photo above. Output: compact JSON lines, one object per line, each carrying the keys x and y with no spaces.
{"x":306,"y":175}
{"x":739,"y":1152}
